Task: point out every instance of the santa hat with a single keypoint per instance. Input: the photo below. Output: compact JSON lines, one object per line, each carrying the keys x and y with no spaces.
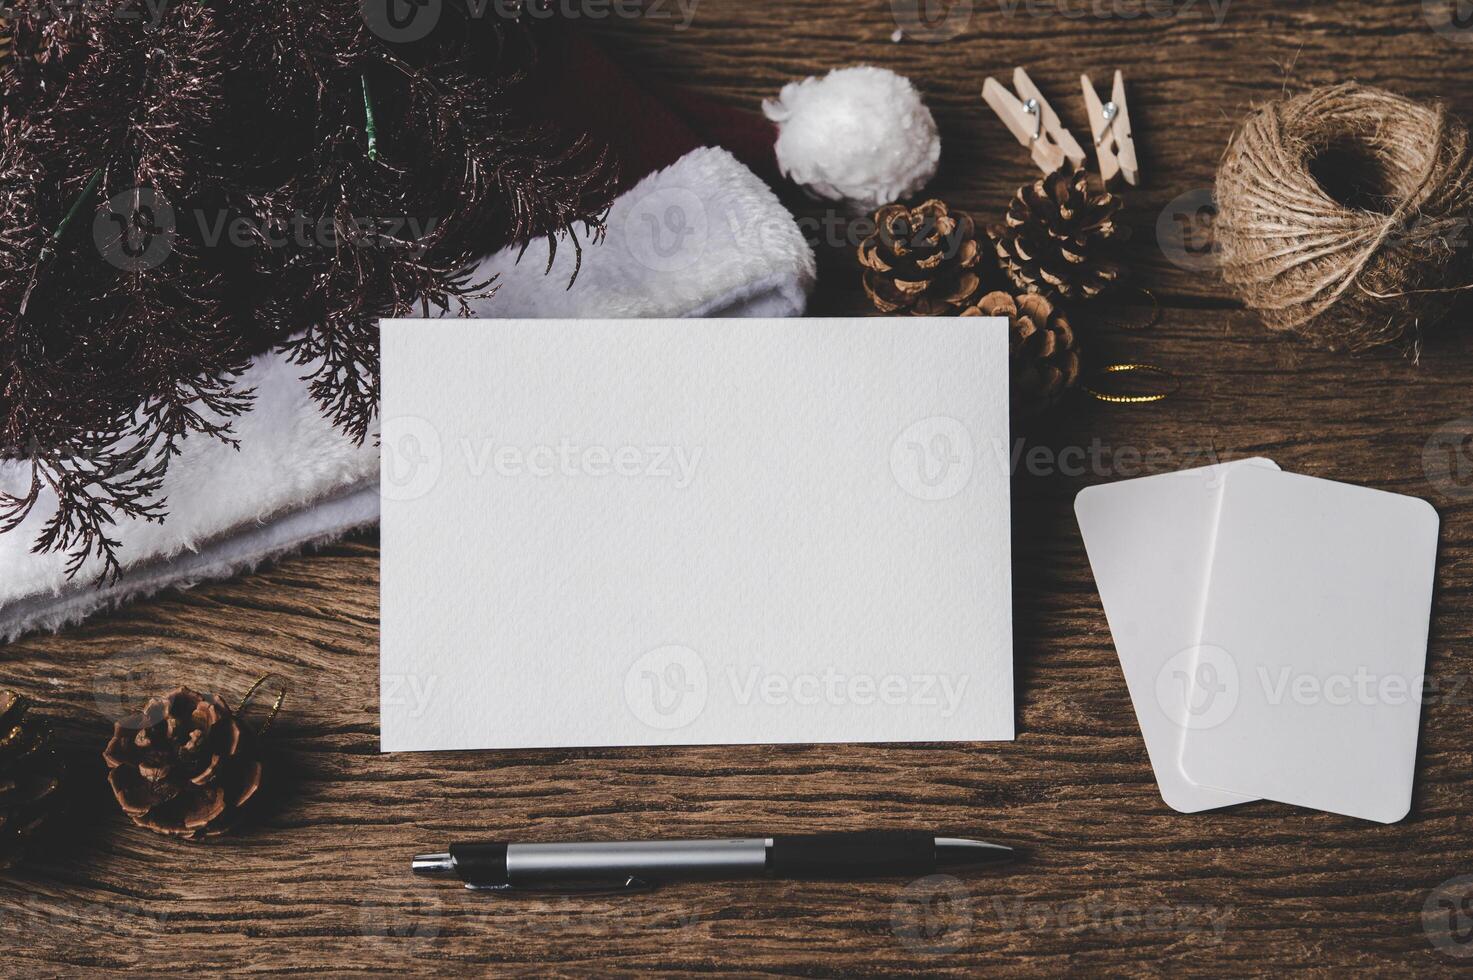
{"x":696,"y":230}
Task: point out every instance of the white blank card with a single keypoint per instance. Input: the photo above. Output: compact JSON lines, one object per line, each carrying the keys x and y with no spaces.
{"x":1314,"y":644}
{"x":1149,"y":542}
{"x":669,"y":532}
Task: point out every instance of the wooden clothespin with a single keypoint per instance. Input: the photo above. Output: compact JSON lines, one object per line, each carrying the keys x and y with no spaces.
{"x":1034,"y":122}
{"x":1110,"y":125}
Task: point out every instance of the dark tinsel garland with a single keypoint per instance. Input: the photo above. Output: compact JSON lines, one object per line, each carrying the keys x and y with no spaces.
{"x":183,"y":186}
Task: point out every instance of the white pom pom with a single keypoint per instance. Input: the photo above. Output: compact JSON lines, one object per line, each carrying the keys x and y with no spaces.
{"x":859,"y":135}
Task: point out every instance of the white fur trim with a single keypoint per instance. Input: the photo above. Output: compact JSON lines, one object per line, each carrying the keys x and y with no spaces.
{"x":318,"y":524}
{"x":703,"y":237}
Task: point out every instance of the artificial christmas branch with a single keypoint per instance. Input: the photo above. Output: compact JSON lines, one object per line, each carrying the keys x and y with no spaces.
{"x":247,"y":176}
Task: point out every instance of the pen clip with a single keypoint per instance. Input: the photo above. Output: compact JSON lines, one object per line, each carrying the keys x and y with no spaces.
{"x":586,"y":889}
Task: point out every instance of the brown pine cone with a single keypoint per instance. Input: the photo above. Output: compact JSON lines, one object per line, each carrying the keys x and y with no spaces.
{"x":30,"y":777}
{"x":1043,"y":359}
{"x":1060,"y":237}
{"x":184,"y":766}
{"x":921,"y":260}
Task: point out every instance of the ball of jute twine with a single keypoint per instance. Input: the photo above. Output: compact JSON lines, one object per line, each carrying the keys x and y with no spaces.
{"x":1344,"y":215}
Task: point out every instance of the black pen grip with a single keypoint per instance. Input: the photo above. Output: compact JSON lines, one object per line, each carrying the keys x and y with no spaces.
{"x":481,"y":864}
{"x":857,"y":855}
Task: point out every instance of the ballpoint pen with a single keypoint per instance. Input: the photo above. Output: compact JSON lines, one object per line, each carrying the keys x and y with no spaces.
{"x":585,"y":868}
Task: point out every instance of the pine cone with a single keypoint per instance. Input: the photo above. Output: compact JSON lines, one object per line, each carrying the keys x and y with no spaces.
{"x":1061,"y":238}
{"x":921,"y":260}
{"x":1043,"y":360}
{"x":184,"y":766}
{"x":30,"y":777}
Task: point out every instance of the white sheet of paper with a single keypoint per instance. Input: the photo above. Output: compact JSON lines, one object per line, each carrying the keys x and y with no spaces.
{"x":603,"y":533}
{"x":1314,"y":644}
{"x":1149,"y":542}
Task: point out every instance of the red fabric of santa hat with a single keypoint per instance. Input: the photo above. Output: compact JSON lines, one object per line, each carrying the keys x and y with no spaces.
{"x":860,"y":136}
{"x":649,"y":124}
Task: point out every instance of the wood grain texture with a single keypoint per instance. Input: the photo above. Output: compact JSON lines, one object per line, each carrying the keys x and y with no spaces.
{"x":1116,"y":884}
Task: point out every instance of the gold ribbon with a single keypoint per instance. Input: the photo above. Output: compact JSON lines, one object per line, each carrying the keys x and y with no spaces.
{"x":1152,"y":369}
{"x":1152,"y":320}
{"x":275,"y":708}
{"x":1147,"y":399}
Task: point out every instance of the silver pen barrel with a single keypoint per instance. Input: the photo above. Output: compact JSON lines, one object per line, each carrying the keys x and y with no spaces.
{"x":531,"y":864}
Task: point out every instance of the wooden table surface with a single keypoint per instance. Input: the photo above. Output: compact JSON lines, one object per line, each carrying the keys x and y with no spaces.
{"x":1116,"y":882}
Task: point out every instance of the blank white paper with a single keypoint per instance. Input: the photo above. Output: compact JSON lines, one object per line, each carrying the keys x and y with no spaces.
{"x":672,"y":532}
{"x":1313,"y":645}
{"x":1149,"y":542}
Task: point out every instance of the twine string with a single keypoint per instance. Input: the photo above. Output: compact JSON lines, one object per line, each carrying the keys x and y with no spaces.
{"x":1349,"y":271}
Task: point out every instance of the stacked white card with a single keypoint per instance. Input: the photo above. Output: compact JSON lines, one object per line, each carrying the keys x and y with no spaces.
{"x":1272,"y":629}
